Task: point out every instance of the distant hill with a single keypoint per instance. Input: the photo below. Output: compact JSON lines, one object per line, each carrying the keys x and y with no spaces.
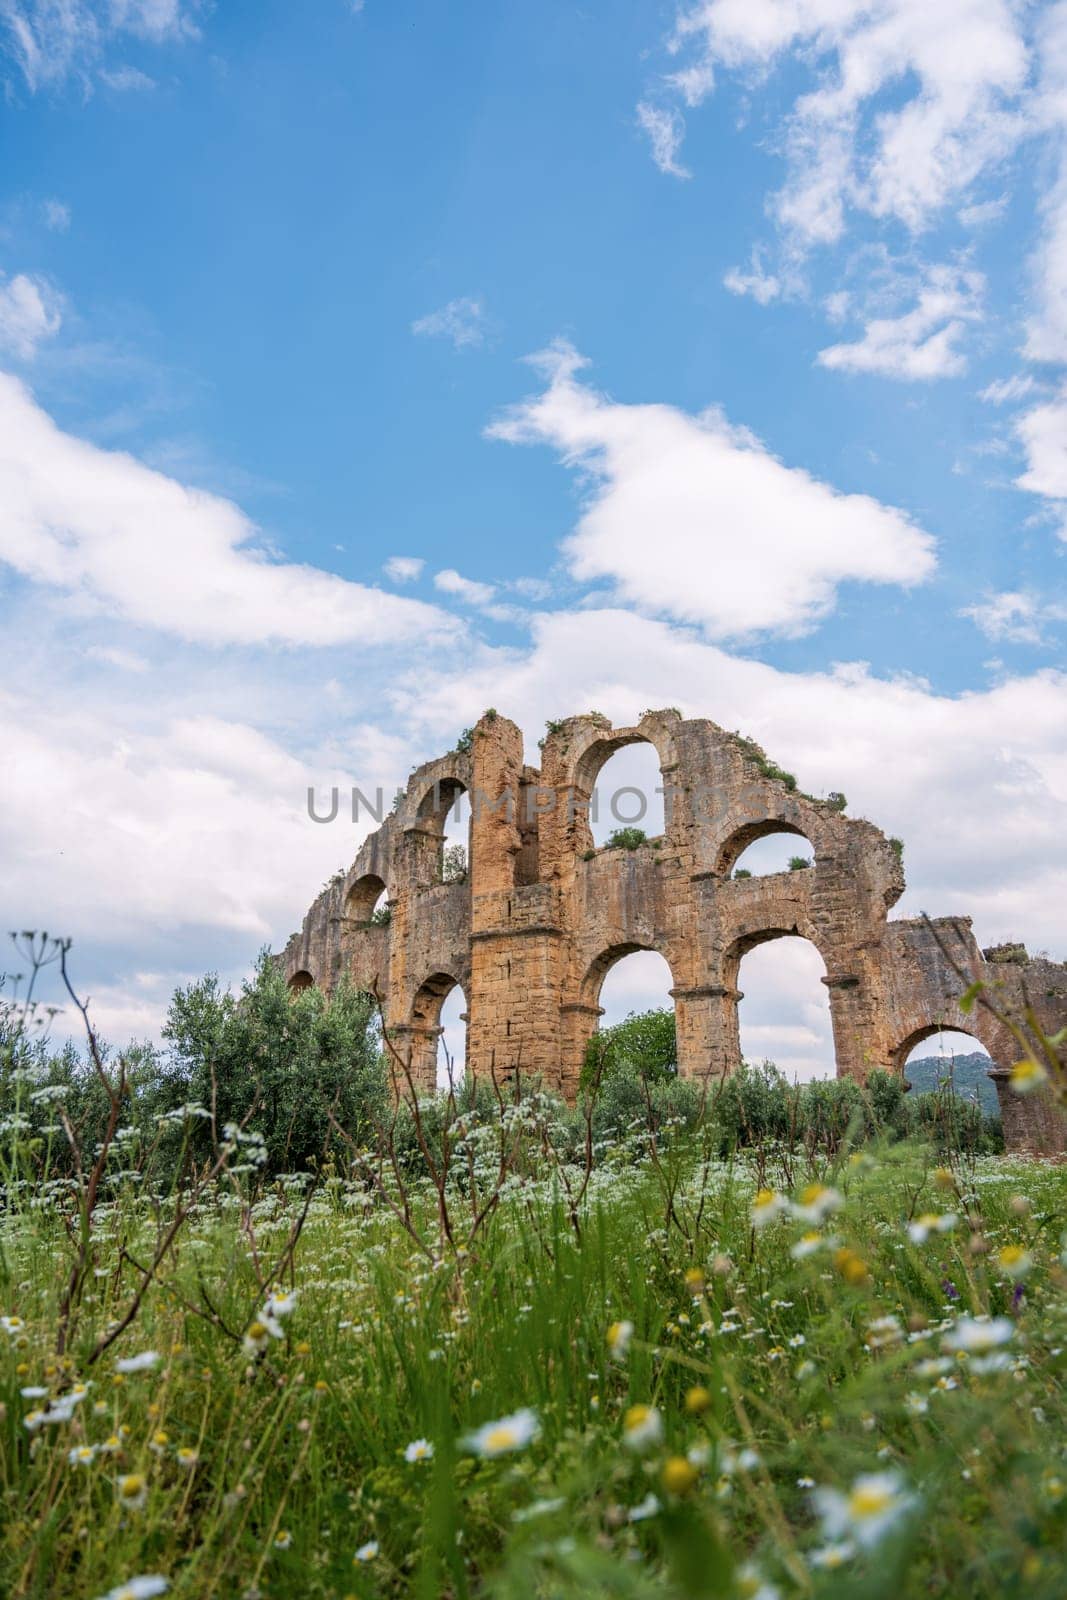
{"x":968,"y":1076}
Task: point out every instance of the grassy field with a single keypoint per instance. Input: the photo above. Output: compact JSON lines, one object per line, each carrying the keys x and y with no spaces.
{"x":693,"y":1378}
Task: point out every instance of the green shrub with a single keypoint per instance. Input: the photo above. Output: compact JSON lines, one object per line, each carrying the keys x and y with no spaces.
{"x":627,"y":839}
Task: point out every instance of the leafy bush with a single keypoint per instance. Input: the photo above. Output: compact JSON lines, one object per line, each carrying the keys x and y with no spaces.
{"x":627,"y":839}
{"x":291,"y":1057}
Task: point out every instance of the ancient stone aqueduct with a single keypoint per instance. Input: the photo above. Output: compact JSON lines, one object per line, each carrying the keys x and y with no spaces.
{"x":542,"y":916}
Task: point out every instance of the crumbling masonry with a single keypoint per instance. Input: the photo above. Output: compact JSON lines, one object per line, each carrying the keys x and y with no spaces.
{"x":542,"y":916}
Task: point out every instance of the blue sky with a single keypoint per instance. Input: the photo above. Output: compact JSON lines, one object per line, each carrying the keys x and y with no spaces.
{"x":270,"y":279}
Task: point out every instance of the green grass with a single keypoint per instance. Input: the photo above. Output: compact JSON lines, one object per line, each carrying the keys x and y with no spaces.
{"x":303,"y":1445}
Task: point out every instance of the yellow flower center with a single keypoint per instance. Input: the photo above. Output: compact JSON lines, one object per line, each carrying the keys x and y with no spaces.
{"x":678,"y":1475}
{"x":501,"y":1439}
{"x":869,"y":1502}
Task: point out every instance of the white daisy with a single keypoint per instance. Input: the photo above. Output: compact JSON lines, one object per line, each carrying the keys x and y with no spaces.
{"x":502,"y":1437}
{"x":871,"y":1508}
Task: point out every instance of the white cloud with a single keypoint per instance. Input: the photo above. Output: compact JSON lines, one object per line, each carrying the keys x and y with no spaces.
{"x":761,"y":285}
{"x":1014,"y":616}
{"x":53,"y":40}
{"x":1003,"y":391}
{"x":1046,"y":330}
{"x":114,"y":656}
{"x":403,"y":569}
{"x":29,"y":312}
{"x":127,"y":80}
{"x":461,"y":320}
{"x":962,"y":65}
{"x":530,"y":588}
{"x":1043,"y":432}
{"x":469,"y":590}
{"x":56,"y":215}
{"x":201,"y":820}
{"x":983,"y":212}
{"x":921,"y":343}
{"x":666,"y":130}
{"x":103,"y":526}
{"x":695,"y":518}
{"x":154,"y":20}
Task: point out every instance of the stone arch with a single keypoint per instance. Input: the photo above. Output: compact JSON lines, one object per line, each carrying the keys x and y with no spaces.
{"x":362,"y":897}
{"x":798,"y":1032}
{"x":593,"y":754}
{"x":734,"y":847}
{"x":927,"y":1030}
{"x":438,"y":798}
{"x":581,"y":1015}
{"x":435,"y":816}
{"x":598,"y":969}
{"x":418,"y":1039}
{"x":300,"y":981}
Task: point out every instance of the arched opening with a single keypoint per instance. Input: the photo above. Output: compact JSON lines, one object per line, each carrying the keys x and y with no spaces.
{"x":366,"y":903}
{"x":784,"y":1011}
{"x":301,"y":981}
{"x":445,"y":814}
{"x":936,"y":1058}
{"x":627,"y":795}
{"x":438,"y":1016}
{"x":763,"y":848}
{"x":452,"y":1044}
{"x":632,"y":988}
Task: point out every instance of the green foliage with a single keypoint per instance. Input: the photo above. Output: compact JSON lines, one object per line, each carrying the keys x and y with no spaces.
{"x":897,"y":847}
{"x":285,"y":1059}
{"x":757,"y":1106}
{"x":742,"y":872}
{"x":465,"y":743}
{"x":798,"y":863}
{"x":626,"y":839}
{"x":768,"y":768}
{"x":381,"y":916}
{"x":836,"y":800}
{"x":645,"y":1042}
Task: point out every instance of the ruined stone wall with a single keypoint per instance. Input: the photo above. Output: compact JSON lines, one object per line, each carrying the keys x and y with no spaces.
{"x":543,"y":915}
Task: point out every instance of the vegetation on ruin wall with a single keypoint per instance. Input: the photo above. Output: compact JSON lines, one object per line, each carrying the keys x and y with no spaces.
{"x":488,"y":1350}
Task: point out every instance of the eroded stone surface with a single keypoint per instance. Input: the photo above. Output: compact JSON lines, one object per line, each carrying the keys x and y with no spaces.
{"x":543,"y":916}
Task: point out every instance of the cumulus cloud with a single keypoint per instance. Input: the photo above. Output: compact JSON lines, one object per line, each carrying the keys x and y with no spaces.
{"x":761,"y":285}
{"x":469,"y":590}
{"x":461,"y":320}
{"x":201,"y":819}
{"x":666,"y":130}
{"x":963,"y":64}
{"x":921,"y":343}
{"x":101,"y":525}
{"x":693,"y":517}
{"x":403,"y":569}
{"x":1014,"y":616}
{"x":29,"y":313}
{"x":1046,"y":329}
{"x":1042,"y":432}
